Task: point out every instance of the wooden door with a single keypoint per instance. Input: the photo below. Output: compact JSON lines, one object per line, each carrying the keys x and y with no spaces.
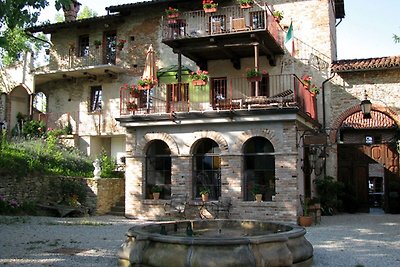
{"x":353,"y":166}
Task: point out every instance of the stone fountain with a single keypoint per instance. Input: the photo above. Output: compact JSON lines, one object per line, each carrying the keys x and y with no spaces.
{"x":207,"y":243}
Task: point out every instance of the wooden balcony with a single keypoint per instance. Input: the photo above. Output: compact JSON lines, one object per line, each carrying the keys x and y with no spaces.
{"x":69,"y":65}
{"x":273,"y":92}
{"x":230,"y":33}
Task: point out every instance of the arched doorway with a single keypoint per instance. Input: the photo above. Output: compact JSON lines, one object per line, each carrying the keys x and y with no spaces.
{"x":368,"y":162}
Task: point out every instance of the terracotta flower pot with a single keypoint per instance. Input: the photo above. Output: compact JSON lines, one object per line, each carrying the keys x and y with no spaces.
{"x":305,"y":221}
{"x":244,"y":6}
{"x":254,"y":79}
{"x":258,"y":197}
{"x":204,"y":197}
{"x":210,"y":10}
{"x":199,"y":82}
{"x":156,"y":195}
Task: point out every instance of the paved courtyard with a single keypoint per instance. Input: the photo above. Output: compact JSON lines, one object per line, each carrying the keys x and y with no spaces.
{"x":340,"y":240}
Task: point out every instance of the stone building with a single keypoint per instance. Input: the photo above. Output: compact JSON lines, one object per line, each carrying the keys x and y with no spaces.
{"x":229,"y":135}
{"x":365,"y":147}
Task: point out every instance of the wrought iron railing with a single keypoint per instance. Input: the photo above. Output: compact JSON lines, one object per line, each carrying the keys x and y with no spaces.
{"x":232,"y":93}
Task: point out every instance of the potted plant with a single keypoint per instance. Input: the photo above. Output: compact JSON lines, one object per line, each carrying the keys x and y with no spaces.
{"x":246,"y":3}
{"x":156,"y":190}
{"x":204,"y":193}
{"x":305,"y":219}
{"x":314,"y":90}
{"x":253,"y":75}
{"x":121,"y":44}
{"x":172,"y":13}
{"x":278,"y":15}
{"x":97,"y":43}
{"x":199,"y":77}
{"x":131,"y":106}
{"x":256,"y":191}
{"x":209,"y":6}
{"x":134,"y":91}
{"x":145,"y":83}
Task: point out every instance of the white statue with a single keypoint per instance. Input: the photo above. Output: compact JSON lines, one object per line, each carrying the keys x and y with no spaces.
{"x":97,"y":169}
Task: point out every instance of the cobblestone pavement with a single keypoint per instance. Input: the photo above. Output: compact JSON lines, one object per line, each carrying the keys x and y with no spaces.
{"x":340,"y":240}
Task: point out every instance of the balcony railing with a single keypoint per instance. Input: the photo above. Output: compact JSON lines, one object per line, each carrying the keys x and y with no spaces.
{"x":232,"y":93}
{"x":232,"y":29}
{"x":66,"y":60}
{"x":231,"y":19}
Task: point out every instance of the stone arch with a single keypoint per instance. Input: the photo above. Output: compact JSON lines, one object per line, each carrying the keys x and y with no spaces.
{"x":217,"y":137}
{"x":148,"y":137}
{"x":348,"y":112}
{"x":266,"y":133}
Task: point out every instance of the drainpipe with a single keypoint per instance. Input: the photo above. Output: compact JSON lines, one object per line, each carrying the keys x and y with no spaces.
{"x":324,"y":116}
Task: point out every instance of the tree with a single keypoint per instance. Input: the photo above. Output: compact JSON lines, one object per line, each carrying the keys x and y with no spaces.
{"x":396,"y":38}
{"x":15,"y":16}
{"x":87,"y":13}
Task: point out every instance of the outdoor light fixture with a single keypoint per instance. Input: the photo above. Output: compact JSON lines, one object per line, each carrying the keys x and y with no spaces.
{"x":366,"y":106}
{"x":316,"y":159}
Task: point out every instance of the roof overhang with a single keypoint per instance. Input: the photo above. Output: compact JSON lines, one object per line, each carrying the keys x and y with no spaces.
{"x":91,"y":72}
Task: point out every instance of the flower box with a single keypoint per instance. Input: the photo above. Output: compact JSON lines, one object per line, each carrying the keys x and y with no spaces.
{"x":245,"y":6}
{"x":173,"y":16}
{"x":145,"y":87}
{"x":254,"y":79}
{"x":199,"y":82}
{"x":210,"y":10}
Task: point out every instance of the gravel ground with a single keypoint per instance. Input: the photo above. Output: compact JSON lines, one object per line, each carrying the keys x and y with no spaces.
{"x":340,"y":240}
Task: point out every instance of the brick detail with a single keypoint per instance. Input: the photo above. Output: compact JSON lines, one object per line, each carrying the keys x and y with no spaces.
{"x":217,"y":137}
{"x":268,"y":134}
{"x":350,"y":111}
{"x":145,"y":142}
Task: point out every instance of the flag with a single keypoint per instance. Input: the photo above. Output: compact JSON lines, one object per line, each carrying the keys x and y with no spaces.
{"x":289,"y":40}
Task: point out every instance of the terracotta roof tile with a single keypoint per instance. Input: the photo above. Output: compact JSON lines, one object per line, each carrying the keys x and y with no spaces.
{"x":347,"y":65}
{"x":378,"y":120}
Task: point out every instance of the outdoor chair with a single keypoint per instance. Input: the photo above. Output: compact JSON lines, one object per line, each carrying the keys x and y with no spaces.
{"x":177,"y":206}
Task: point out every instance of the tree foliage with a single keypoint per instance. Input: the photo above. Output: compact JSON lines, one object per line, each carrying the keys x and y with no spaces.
{"x":15,"y":16}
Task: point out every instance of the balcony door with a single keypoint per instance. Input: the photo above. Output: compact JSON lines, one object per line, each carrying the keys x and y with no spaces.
{"x":110,"y":51}
{"x":219,"y":92}
{"x":178,"y":97}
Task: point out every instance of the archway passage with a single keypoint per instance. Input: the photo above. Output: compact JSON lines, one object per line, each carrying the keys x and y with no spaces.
{"x":368,"y":163}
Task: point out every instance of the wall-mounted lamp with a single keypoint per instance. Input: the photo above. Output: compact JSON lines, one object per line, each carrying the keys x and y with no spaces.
{"x":316,"y":158}
{"x":366,"y":106}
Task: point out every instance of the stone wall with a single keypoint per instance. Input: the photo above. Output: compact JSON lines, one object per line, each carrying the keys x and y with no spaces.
{"x":102,"y":194}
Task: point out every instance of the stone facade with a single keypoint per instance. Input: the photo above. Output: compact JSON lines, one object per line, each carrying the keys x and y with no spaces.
{"x":73,"y":72}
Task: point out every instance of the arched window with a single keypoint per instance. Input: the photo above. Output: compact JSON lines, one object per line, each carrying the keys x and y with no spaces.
{"x":158,"y":169}
{"x":207,"y":168}
{"x":258,"y":168}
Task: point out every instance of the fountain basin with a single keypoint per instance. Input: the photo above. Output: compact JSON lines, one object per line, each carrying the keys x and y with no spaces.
{"x":211,"y":243}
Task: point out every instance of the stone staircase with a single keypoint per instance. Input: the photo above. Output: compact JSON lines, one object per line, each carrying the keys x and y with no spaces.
{"x":119,"y":208}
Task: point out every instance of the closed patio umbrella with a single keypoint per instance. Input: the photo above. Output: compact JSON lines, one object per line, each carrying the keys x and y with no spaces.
{"x":150,"y":71}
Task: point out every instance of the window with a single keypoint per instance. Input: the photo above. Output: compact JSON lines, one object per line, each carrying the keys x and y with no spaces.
{"x":258,"y":168}
{"x":40,"y":102}
{"x":95,"y":98}
{"x":263,"y":87}
{"x":110,"y":53}
{"x":83,"y":46}
{"x":158,"y":169}
{"x":206,"y":169}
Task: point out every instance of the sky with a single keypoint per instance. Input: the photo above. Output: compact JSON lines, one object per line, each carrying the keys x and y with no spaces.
{"x":365,"y":32}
